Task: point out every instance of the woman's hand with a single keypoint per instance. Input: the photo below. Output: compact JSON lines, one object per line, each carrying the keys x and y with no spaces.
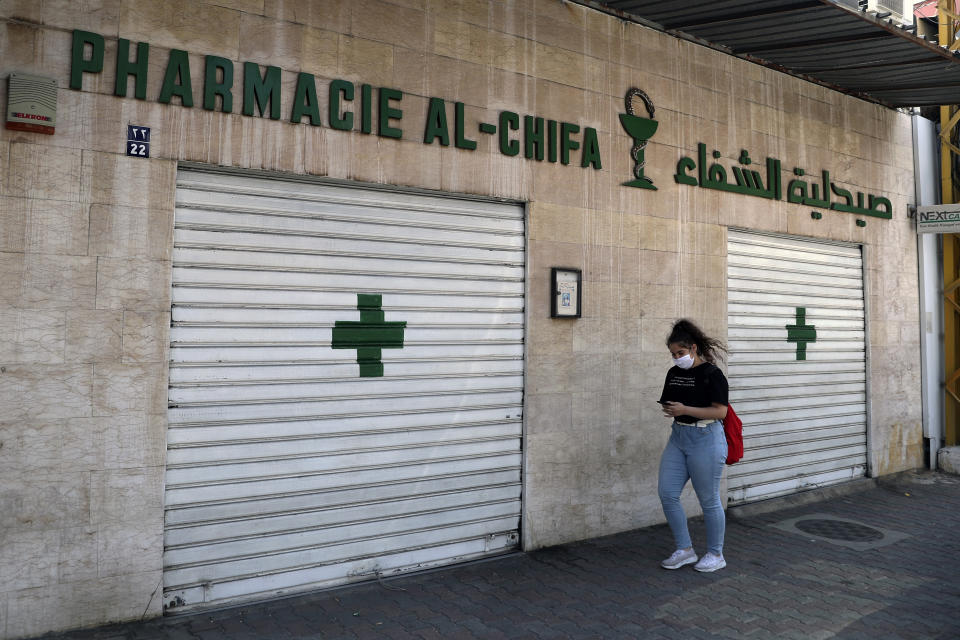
{"x":673,"y":409}
{"x":715,"y":411}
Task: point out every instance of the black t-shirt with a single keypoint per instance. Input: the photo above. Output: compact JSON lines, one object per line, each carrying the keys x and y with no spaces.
{"x":699,"y":386}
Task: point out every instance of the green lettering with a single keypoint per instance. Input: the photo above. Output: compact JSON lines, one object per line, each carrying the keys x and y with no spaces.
{"x":212,"y":87}
{"x":591,"y":149}
{"x":552,"y":140}
{"x":509,"y":120}
{"x":462,"y":142}
{"x":80,"y":65}
{"x":366,"y":108}
{"x":437,"y":123}
{"x":566,"y":144}
{"x":136,"y":69}
{"x":305,"y":100}
{"x":261,"y":90}
{"x":338,"y":87}
{"x":533,"y":137}
{"x":388,"y":113}
{"x":177,"y":67}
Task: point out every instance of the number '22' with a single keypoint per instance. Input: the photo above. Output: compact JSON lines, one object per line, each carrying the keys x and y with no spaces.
{"x":137,"y":149}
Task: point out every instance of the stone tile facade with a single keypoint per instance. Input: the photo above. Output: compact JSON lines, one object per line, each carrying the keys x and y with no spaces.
{"x":86,"y":235}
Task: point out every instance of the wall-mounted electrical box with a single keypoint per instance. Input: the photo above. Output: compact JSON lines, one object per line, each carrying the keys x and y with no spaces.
{"x":31,"y":103}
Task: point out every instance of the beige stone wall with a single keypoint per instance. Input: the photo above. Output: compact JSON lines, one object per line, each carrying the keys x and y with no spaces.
{"x":85,"y":246}
{"x":85,"y":242}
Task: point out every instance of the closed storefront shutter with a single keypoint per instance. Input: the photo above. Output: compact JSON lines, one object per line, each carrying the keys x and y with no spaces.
{"x":346,"y":385}
{"x":797,"y":367}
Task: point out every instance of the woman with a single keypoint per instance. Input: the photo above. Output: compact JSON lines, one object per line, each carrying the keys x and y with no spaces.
{"x":695,"y":396}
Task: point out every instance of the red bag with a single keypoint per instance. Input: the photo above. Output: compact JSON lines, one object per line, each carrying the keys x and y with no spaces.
{"x":733,"y":429}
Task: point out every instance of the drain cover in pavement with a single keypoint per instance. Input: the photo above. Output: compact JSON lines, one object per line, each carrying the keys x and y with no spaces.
{"x":840,"y":531}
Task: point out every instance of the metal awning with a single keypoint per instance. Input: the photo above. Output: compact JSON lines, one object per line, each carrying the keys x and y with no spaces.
{"x":822,"y":41}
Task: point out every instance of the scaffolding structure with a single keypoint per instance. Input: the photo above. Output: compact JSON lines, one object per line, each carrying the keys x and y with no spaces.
{"x":949,"y":30}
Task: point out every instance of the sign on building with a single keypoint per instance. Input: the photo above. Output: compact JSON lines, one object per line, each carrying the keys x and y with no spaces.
{"x":938,"y":218}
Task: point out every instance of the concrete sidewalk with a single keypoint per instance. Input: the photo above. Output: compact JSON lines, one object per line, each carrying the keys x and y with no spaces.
{"x":883,"y":562}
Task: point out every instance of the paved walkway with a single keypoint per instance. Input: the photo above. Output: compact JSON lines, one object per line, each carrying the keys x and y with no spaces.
{"x":896,"y":576}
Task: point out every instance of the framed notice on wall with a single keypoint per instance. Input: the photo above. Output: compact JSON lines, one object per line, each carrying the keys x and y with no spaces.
{"x":565,"y":292}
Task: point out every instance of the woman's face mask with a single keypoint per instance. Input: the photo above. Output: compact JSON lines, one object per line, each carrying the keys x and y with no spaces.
{"x":682,"y":355}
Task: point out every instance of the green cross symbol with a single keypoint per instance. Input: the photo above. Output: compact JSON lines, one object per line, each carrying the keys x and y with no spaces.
{"x":801,"y":333}
{"x":368,"y":336}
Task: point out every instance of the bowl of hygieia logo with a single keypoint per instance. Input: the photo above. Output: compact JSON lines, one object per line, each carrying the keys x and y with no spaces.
{"x":641,"y":130}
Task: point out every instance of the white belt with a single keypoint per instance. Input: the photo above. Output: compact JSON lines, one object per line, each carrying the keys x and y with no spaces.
{"x":698,"y":423}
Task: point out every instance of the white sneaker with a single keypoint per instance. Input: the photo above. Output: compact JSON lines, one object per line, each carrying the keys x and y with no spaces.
{"x":679,"y":558}
{"x":710,"y":562}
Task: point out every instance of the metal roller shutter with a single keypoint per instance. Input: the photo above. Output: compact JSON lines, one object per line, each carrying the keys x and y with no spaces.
{"x":797,"y":367}
{"x":346,"y":385}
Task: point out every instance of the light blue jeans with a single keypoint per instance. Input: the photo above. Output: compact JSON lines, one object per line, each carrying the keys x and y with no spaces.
{"x":697,"y":454}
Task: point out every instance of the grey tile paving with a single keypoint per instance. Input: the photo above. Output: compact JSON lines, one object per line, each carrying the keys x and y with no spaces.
{"x":776,"y":585}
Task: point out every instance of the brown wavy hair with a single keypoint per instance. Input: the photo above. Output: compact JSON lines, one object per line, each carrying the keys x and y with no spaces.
{"x":686,"y":333}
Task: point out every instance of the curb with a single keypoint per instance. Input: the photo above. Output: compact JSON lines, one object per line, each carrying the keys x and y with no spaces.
{"x":740,"y":512}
